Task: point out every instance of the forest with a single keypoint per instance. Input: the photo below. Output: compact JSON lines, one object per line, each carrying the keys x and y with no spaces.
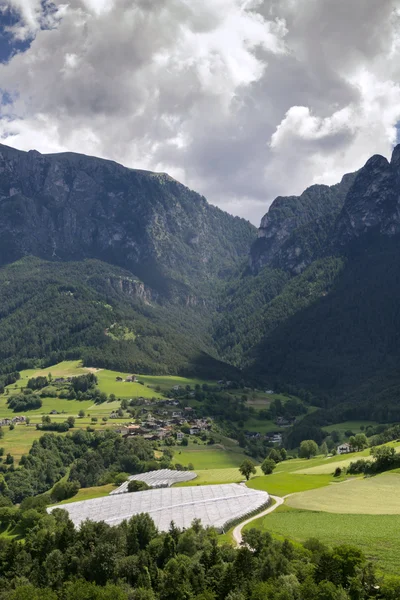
{"x":133,"y":561}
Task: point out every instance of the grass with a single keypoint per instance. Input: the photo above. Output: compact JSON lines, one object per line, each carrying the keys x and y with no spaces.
{"x":121,"y":389}
{"x":216,"y":476}
{"x":281,"y":484}
{"x":376,"y":535}
{"x":208,"y":457}
{"x":372,"y":495}
{"x":90,"y":493}
{"x":354,"y":426}
{"x":254,"y":424}
{"x":19,"y":441}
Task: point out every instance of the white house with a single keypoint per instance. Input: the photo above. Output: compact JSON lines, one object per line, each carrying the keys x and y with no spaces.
{"x":343,"y":449}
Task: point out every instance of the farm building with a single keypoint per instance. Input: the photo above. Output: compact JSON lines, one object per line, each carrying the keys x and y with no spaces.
{"x":215,"y":505}
{"x":343,"y":449}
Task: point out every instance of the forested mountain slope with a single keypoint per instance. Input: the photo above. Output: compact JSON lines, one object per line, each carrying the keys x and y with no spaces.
{"x":54,"y":311}
{"x":330,"y":322}
{"x":117,"y":266}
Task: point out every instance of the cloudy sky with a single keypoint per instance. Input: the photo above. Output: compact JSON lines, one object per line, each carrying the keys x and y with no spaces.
{"x":242,"y":100}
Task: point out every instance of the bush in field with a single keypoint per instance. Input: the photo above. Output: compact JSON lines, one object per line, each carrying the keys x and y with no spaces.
{"x":64,"y":489}
{"x":138,"y":486}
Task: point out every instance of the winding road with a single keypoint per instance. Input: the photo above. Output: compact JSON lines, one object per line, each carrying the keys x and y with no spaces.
{"x":237,"y":532}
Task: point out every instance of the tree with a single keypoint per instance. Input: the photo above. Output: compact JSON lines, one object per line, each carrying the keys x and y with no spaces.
{"x":268,"y":466}
{"x":324,"y":449}
{"x":360,"y":441}
{"x":275,"y":455}
{"x":247,"y":468}
{"x":46,"y":420}
{"x":308,"y":448}
{"x":138,"y":486}
{"x":12,"y":427}
{"x":71,"y":422}
{"x":81,"y":414}
{"x":121,"y":478}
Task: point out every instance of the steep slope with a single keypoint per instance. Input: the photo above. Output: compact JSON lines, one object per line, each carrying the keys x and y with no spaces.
{"x":70,"y":207}
{"x":295,"y":228}
{"x":332,"y":325}
{"x":117,"y":266}
{"x":91,"y":310}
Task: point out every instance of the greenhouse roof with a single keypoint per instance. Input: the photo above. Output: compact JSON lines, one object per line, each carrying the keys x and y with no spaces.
{"x":157,"y":479}
{"x":214,"y":505}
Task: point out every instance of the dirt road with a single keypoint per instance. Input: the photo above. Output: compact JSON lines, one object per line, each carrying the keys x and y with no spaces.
{"x":237,"y":532}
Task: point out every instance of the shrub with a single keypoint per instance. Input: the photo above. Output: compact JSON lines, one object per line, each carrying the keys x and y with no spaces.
{"x":138,"y":486}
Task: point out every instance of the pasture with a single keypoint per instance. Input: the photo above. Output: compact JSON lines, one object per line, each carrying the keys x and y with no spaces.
{"x":90,"y":493}
{"x":376,"y":535}
{"x":214,"y":476}
{"x":282,"y":484}
{"x":208,"y":457}
{"x":371,"y":495}
{"x":354,"y":426}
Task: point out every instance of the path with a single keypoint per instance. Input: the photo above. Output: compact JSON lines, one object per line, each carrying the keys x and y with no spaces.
{"x":237,"y":532}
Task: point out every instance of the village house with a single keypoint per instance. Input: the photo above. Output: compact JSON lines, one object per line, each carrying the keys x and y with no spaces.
{"x":180,"y":436}
{"x":131,"y":379}
{"x":14,"y":420}
{"x":343,"y":449}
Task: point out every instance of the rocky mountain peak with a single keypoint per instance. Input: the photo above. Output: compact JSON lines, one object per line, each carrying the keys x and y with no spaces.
{"x":72,"y":207}
{"x":372,"y":203}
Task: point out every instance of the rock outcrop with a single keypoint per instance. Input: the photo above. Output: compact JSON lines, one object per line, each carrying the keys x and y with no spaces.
{"x":71,"y":207}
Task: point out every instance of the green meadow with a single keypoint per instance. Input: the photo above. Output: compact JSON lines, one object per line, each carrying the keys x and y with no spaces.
{"x":376,"y":535}
{"x":282,"y":484}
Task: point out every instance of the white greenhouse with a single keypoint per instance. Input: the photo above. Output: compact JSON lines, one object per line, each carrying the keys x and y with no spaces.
{"x":157,"y":479}
{"x":215,"y":505}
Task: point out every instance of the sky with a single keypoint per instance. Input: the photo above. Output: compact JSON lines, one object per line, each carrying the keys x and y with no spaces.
{"x":241,"y":100}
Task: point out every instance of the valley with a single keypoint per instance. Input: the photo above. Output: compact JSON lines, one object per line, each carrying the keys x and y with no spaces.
{"x":142,"y":329}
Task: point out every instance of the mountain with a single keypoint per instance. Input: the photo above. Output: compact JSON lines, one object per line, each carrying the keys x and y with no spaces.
{"x":65,"y":207}
{"x":118,"y":266}
{"x":296,"y":227}
{"x":318,"y":309}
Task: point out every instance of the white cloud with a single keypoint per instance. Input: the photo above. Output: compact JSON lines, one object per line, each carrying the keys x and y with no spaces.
{"x":241,"y":99}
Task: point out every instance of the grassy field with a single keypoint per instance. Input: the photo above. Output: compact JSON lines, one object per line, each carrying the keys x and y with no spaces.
{"x":208,"y":457}
{"x":354,"y":426}
{"x":282,"y":484}
{"x":121,"y":389}
{"x":90,"y":493}
{"x":214,"y":476}
{"x":376,"y":535}
{"x":372,"y":495}
{"x":19,"y":441}
{"x":254,"y":424}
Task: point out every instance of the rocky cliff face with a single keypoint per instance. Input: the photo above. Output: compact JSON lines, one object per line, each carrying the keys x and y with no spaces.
{"x":373,"y":202}
{"x":71,"y":207}
{"x":293,"y":217}
{"x":324,"y":220}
